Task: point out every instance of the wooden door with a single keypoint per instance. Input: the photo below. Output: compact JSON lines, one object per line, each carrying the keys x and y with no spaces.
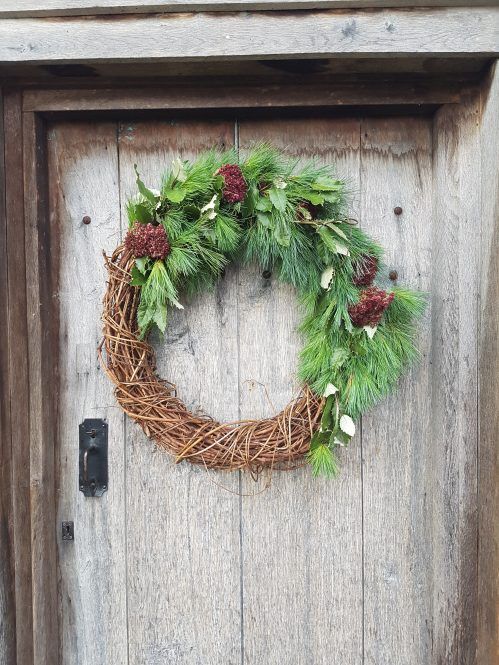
{"x":177,"y":565}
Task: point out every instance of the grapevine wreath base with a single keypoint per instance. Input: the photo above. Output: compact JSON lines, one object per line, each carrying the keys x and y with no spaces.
{"x":292,"y":219}
{"x":279,"y":442}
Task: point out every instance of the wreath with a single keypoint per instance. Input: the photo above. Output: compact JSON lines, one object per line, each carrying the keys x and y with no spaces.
{"x":291,"y":219}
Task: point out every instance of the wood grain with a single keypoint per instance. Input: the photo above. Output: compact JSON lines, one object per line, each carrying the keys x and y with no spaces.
{"x":396,"y":443}
{"x":83,"y":168}
{"x":177,"y":37}
{"x":7,"y":598}
{"x":488,"y":462}
{"x":364,"y":91}
{"x":454,"y":432}
{"x":18,"y":374}
{"x":31,"y":8}
{"x":180,"y":520}
{"x":301,"y":538}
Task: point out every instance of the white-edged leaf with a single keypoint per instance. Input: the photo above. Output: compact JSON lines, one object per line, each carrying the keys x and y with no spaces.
{"x":370,"y":330}
{"x":338,"y":442}
{"x":178,"y":171}
{"x":331,"y":389}
{"x":327,"y":278}
{"x":347,"y":425}
{"x":210,"y":205}
{"x":342,"y":249}
{"x":280,"y":183}
{"x":176,"y":304}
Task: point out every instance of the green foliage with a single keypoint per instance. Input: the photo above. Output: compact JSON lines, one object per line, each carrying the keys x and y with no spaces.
{"x":293,"y":221}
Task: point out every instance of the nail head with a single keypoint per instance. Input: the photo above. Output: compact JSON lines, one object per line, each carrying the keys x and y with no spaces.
{"x":266,"y":274}
{"x":86,"y":219}
{"x":398,"y":210}
{"x":393,"y":274}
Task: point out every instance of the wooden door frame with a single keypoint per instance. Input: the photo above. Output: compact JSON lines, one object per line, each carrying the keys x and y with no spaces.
{"x":29,"y":361}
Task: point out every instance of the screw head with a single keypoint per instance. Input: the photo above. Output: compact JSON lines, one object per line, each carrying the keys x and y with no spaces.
{"x":86,"y":219}
{"x":398,"y":210}
{"x":393,"y":275}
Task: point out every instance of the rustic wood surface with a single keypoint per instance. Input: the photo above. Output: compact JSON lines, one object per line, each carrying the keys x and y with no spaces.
{"x":178,"y":521}
{"x":196,"y":36}
{"x":396,"y":446}
{"x":378,"y":566}
{"x":30,"y":8}
{"x":84,"y":180}
{"x":454,"y":427}
{"x":7,"y":573}
{"x":488,"y":452}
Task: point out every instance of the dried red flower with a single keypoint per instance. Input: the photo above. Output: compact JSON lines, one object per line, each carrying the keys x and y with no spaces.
{"x":369,"y":310}
{"x":365,"y":271}
{"x":147,"y":240}
{"x":235,"y":186}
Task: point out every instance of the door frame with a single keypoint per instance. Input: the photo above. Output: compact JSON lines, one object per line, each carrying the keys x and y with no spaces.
{"x":29,"y":360}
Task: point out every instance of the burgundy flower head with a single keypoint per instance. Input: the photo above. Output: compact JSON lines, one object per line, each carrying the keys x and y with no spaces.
{"x":235,"y":186}
{"x":369,"y":310}
{"x":147,"y":240}
{"x":365,"y":271}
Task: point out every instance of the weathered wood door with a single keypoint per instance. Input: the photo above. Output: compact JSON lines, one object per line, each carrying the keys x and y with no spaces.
{"x":177,"y":565}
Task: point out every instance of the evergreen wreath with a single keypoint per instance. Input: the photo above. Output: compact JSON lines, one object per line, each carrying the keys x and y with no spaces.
{"x":265,"y":208}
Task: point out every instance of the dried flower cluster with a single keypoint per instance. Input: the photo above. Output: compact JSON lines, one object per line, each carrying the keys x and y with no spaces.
{"x":147,"y":240}
{"x":235,"y":186}
{"x":369,"y":310}
{"x":365,"y":271}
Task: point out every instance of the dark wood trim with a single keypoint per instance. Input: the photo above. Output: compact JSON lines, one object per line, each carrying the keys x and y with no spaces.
{"x":7,"y":592}
{"x":43,"y":357}
{"x":34,"y":8}
{"x":375,"y":93}
{"x":17,"y":333}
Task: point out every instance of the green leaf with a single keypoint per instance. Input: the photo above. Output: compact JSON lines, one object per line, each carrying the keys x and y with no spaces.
{"x":338,"y":231}
{"x":218,"y":183}
{"x":282,"y":236}
{"x":176,"y":195}
{"x":327,"y":413}
{"x":264,"y":220}
{"x":278,"y":198}
{"x":315,"y":199}
{"x":143,"y":189}
{"x":331,"y":198}
{"x":141,"y":213}
{"x":339,"y":357}
{"x":144,"y":317}
{"x":263,"y":204}
{"x":160,"y":316}
{"x":138,"y":278}
{"x":141,"y":264}
{"x":327,"y":238}
{"x":324,"y":184}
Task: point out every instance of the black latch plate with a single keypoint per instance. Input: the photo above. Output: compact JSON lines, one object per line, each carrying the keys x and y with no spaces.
{"x":93,"y":477}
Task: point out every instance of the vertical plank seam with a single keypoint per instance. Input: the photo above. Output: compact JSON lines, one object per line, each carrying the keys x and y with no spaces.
{"x":480,"y":103}
{"x":124,"y":420}
{"x":362,"y":436}
{"x":240,"y":479}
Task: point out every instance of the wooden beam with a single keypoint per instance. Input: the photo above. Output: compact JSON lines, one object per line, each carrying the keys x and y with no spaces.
{"x":202,"y":36}
{"x":267,"y":96}
{"x":34,"y":8}
{"x":17,"y":336}
{"x":7,"y":591}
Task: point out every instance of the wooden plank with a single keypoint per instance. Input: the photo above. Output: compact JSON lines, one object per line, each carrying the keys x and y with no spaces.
{"x":302,"y":537}
{"x":364,"y":92}
{"x":488,"y":462}
{"x":178,"y":520}
{"x":18,"y":374}
{"x":33,"y":8}
{"x":199,"y":36}
{"x":454,"y":435}
{"x":83,"y":168}
{"x":396,"y":442}
{"x":7,"y":598}
{"x":42,"y":368}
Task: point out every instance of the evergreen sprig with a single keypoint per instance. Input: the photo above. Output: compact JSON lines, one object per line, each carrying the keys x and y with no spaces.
{"x":293,"y":220}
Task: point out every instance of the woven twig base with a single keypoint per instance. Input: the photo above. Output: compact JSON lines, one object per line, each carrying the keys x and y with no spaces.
{"x":279,"y":442}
